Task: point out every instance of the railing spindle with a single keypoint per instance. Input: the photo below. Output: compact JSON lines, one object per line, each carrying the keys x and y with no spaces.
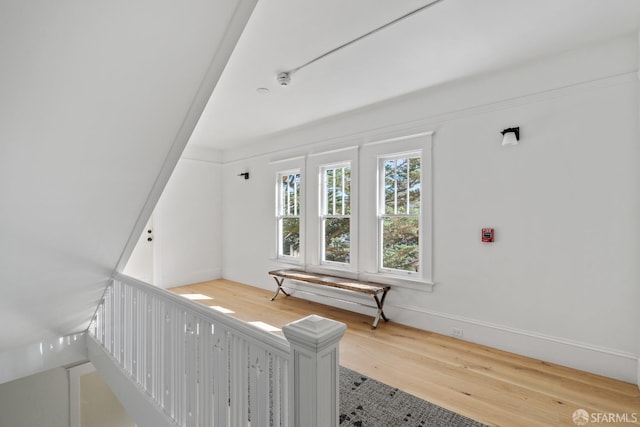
{"x":220,"y":376}
{"x":206,"y":369}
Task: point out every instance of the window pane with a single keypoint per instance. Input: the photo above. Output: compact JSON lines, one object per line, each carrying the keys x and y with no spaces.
{"x":400,"y":243}
{"x":414,"y":186}
{"x":402,"y":180}
{"x":347,"y":191}
{"x":290,"y":237}
{"x":290,"y":194}
{"x":329,"y":192}
{"x":284,"y":190}
{"x":337,"y":188}
{"x":336,"y":239}
{"x":390,"y":188}
{"x":402,"y":186}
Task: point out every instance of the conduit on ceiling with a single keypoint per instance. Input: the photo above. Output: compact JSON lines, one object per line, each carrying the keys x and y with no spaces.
{"x":284,"y":77}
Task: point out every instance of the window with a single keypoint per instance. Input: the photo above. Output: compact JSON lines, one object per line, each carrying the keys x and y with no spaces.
{"x":288,"y":214}
{"x":331,"y":224}
{"x":360,"y":211}
{"x":399,"y":213}
{"x":396,"y":238}
{"x":336,"y":214}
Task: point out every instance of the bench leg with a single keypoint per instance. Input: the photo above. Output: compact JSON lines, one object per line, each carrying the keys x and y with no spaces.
{"x":279,"y":282}
{"x":380,"y":304}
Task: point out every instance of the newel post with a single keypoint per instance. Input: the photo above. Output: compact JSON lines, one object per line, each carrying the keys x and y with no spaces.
{"x":314,"y":378}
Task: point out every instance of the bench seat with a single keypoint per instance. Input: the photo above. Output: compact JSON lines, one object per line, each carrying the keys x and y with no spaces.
{"x":376,"y":290}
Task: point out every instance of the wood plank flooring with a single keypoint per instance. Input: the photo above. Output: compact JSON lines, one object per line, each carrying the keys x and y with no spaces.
{"x":492,"y":386}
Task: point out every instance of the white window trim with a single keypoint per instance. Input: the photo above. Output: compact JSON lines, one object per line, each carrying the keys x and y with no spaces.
{"x":316,"y":163}
{"x":370,"y":157}
{"x":280,"y":216}
{"x":323,"y":201}
{"x":279,"y":168}
{"x":380,"y":207}
{"x":364,"y":210}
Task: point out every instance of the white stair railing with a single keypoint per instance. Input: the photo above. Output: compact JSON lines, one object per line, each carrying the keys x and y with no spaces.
{"x":206,"y":368}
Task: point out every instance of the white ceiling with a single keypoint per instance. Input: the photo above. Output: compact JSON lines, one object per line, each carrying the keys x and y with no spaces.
{"x":451,"y":40}
{"x":95,"y":97}
{"x":97,"y":100}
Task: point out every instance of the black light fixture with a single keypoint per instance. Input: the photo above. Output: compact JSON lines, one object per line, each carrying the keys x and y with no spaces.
{"x":510,"y":136}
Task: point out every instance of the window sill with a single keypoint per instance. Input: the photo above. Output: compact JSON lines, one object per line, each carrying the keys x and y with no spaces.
{"x":332,"y":271}
{"x":288,"y":263}
{"x":382,"y":278}
{"x":400,"y":282}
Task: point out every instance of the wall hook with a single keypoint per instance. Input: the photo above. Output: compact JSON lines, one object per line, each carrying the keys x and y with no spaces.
{"x":245,"y":174}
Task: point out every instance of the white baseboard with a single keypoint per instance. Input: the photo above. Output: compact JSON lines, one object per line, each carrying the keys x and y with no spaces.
{"x":585,"y":357}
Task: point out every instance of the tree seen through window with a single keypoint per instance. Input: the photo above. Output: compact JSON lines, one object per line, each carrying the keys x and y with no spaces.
{"x":289,"y":215}
{"x":336,"y":214}
{"x":400,"y":216}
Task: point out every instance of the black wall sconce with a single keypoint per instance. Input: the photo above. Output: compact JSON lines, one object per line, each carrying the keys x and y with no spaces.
{"x":245,"y":174}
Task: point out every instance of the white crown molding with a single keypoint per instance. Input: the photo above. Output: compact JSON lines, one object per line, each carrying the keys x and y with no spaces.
{"x":287,"y":159}
{"x":287,"y":142}
{"x":202,"y":154}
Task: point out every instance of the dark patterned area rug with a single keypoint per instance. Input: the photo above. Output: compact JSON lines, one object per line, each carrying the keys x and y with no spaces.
{"x":365,"y":402}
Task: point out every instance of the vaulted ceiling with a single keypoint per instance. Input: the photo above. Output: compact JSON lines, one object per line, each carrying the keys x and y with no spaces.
{"x":97,"y":100}
{"x":451,"y":40}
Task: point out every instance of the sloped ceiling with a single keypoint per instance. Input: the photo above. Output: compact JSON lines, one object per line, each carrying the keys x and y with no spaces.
{"x":97,"y":100}
{"x":449,"y":41}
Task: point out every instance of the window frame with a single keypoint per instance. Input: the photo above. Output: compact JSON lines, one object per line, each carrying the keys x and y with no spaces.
{"x":279,"y":216}
{"x":314,"y":164}
{"x":370,"y":155}
{"x":364,"y":159}
{"x":381,"y":215}
{"x":323,"y":215}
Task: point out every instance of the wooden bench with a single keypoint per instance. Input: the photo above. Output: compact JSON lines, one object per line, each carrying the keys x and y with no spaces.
{"x":377,"y":291}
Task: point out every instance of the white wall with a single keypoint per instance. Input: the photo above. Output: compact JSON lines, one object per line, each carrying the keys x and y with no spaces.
{"x":187,"y":225}
{"x":83,"y":160}
{"x":37,"y":400}
{"x":99,"y":406}
{"x":560,"y":282}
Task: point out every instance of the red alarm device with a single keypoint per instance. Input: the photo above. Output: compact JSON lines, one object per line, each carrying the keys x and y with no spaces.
{"x":487,"y":235}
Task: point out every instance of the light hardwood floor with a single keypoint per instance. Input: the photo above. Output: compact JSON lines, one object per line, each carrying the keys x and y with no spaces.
{"x":488,"y":385}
